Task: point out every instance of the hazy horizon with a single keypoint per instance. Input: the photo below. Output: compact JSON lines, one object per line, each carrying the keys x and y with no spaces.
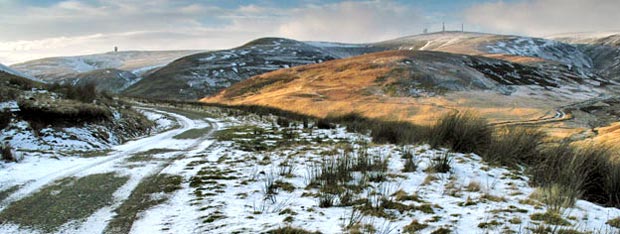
{"x":34,"y":29}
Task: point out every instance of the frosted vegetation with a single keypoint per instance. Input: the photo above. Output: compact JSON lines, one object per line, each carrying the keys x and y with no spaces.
{"x":229,"y":171}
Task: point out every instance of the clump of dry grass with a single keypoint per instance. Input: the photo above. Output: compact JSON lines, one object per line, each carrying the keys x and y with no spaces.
{"x":586,"y":172}
{"x":514,"y":145}
{"x":461,"y":132}
{"x":7,"y":153}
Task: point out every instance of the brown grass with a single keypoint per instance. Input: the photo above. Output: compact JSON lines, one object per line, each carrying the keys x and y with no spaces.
{"x":359,"y":84}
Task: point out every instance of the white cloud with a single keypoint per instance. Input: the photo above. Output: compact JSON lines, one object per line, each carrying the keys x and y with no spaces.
{"x":74,"y":27}
{"x":353,"y":21}
{"x":545,"y":17}
{"x":19,"y":51}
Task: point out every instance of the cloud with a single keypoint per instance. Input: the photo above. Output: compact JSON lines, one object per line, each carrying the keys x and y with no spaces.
{"x":72,"y":27}
{"x":353,"y":21}
{"x":546,"y":17}
{"x":19,"y":51}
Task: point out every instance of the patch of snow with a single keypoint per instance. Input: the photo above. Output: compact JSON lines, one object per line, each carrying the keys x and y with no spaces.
{"x":142,"y":70}
{"x":541,"y":48}
{"x":16,"y":73}
{"x":9,"y":105}
{"x":324,"y":44}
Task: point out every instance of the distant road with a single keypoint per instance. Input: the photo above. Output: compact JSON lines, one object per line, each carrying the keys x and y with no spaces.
{"x":560,"y":115}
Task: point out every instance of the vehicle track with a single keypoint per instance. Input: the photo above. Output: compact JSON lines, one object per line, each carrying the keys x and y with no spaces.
{"x":120,"y":153}
{"x":560,"y":115}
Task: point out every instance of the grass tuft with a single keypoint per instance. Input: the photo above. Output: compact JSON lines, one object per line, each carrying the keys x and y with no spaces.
{"x":291,"y":230}
{"x":7,"y":153}
{"x":441,"y":163}
{"x":614,"y":222}
{"x":461,"y":132}
{"x":514,"y":145}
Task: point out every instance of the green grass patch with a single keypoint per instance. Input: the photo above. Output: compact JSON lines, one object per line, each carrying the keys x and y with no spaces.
{"x":239,"y":132}
{"x":65,"y":200}
{"x":193,"y":133}
{"x":191,"y":114}
{"x":147,"y":155}
{"x":141,"y":199}
{"x":7,"y":192}
{"x":614,"y":222}
{"x":89,"y":154}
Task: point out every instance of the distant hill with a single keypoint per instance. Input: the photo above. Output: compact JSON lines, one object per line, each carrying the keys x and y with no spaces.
{"x":61,"y":67}
{"x":13,"y":72}
{"x":198,"y":75}
{"x":602,"y":48}
{"x":592,"y":38}
{"x":106,"y":80}
{"x":204,"y":74}
{"x":513,"y":48}
{"x":89,"y":67}
{"x":416,"y":86}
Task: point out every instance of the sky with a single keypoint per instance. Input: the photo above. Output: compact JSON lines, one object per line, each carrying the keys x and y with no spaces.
{"x":31,"y":29}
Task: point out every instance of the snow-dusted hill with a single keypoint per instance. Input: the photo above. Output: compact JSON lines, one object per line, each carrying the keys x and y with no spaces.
{"x":602,"y":48}
{"x":403,"y":83}
{"x":198,"y":75}
{"x":8,"y":70}
{"x":592,"y":38}
{"x":484,"y":44}
{"x":65,"y":67}
{"x":207,"y":73}
{"x":107,"y":80}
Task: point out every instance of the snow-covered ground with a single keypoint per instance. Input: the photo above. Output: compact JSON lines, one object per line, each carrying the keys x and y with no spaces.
{"x":80,"y":138}
{"x":253,"y":176}
{"x":36,"y":172}
{"x":238,"y":202}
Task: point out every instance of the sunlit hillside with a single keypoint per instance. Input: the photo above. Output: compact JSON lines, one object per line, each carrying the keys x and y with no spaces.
{"x":406,"y":85}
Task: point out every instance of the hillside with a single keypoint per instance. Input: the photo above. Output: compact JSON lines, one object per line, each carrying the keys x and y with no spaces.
{"x":105,"y":80}
{"x":49,"y":119}
{"x":602,"y":48}
{"x":204,"y":74}
{"x":506,"y":47}
{"x":416,"y":86}
{"x":198,"y":75}
{"x":592,"y":38}
{"x":55,"y":68}
{"x":9,"y":71}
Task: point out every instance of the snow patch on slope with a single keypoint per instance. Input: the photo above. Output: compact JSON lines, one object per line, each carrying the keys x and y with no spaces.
{"x":16,"y":73}
{"x":541,"y":48}
{"x":60,"y":67}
